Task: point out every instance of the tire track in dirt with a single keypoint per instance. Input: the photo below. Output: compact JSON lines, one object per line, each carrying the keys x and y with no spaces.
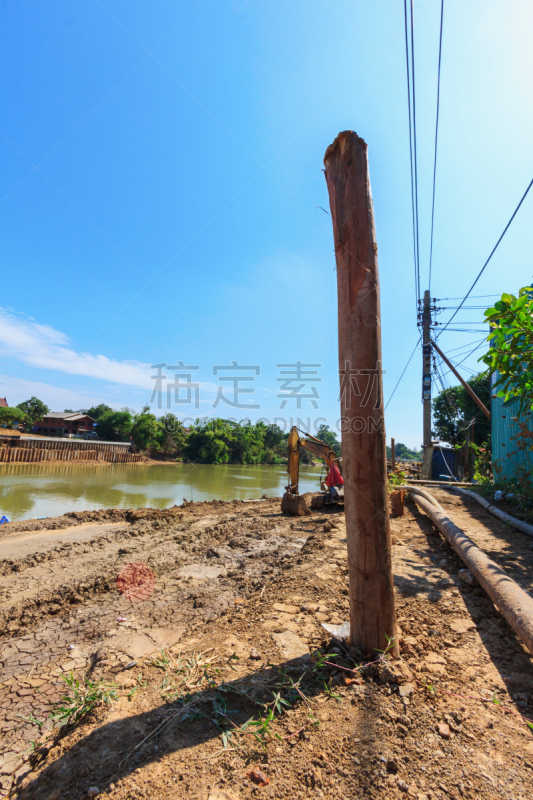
{"x":60,"y":614}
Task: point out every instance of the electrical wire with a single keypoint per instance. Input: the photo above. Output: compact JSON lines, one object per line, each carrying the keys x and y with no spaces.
{"x":449,"y":401}
{"x":436,"y":143}
{"x":458,"y":364}
{"x":404,"y":370}
{"x":480,"y":273}
{"x":413,"y":213}
{"x":414,"y":144}
{"x":461,"y":330}
{"x":463,"y":346}
{"x":468,"y":322}
{"x":471,"y":353}
{"x":474,"y":297}
{"x":465,"y":308}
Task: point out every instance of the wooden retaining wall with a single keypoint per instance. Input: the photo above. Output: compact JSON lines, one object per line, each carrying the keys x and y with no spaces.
{"x":65,"y":444}
{"x":30,"y":455}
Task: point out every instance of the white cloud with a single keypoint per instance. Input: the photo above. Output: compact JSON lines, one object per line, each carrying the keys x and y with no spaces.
{"x":56,"y":397}
{"x":44,"y":347}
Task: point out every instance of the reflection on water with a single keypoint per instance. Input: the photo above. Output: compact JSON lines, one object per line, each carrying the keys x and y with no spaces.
{"x":36,"y":490}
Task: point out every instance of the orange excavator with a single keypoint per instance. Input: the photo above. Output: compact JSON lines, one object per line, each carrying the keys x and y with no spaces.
{"x":292,"y":502}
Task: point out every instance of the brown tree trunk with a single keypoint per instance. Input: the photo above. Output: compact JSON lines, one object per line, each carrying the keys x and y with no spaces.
{"x":372,"y":615}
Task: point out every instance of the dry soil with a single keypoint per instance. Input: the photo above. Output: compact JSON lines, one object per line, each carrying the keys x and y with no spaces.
{"x":236,"y":612}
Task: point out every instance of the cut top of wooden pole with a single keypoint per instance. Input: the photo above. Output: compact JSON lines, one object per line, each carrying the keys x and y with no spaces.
{"x":372,"y":615}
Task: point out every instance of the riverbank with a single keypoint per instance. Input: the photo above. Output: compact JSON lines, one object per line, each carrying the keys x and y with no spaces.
{"x":230,"y":621}
{"x":35,"y":490}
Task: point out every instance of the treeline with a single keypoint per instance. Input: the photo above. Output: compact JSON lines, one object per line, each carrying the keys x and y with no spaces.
{"x":404,"y":453}
{"x":206,"y":441}
{"x":220,"y":441}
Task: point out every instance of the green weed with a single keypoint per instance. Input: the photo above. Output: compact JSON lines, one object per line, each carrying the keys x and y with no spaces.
{"x":81,"y":698}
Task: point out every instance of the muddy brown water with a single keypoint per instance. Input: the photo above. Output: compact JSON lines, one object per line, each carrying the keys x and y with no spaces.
{"x":32,"y":490}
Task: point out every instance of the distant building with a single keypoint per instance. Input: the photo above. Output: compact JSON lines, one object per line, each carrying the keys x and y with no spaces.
{"x":59,"y":423}
{"x":3,"y":403}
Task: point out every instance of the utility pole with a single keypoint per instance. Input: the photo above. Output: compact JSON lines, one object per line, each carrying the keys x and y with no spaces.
{"x":426,"y":368}
{"x":392,"y":456}
{"x":372,"y":613}
{"x":426,"y":385}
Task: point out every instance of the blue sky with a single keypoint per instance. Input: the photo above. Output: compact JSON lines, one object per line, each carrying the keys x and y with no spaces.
{"x":161,"y":193}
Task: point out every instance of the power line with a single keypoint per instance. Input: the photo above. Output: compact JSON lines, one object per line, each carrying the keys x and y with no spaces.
{"x":465,"y":308}
{"x":403,"y":373}
{"x":447,"y":394}
{"x":436,"y":142}
{"x":461,"y":330}
{"x":414,"y":142}
{"x":463,"y":346}
{"x":475,"y":297}
{"x":480,"y":273}
{"x":410,"y":116}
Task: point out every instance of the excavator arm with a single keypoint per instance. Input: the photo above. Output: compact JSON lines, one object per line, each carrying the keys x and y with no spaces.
{"x":311,"y":444}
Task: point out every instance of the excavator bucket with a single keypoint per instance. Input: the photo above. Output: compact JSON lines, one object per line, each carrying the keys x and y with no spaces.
{"x":294,"y":505}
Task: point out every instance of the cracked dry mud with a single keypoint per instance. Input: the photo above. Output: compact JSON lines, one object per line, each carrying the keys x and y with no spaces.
{"x":252,"y":588}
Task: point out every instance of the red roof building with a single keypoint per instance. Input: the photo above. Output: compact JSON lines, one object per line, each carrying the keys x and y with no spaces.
{"x":3,"y":403}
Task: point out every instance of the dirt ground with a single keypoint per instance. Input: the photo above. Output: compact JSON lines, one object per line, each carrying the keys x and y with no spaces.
{"x":225,"y":638}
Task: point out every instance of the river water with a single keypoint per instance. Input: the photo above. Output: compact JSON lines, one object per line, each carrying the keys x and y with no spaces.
{"x":33,"y":490}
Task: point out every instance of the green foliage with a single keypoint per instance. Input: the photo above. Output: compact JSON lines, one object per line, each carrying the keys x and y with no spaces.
{"x":511,"y":353}
{"x":208,"y":441}
{"x":397,"y":479}
{"x":115,"y":426}
{"x":171,"y":437}
{"x":8,"y":416}
{"x":454,"y":409}
{"x":145,"y":430}
{"x":404,"y":453}
{"x":219,"y":441}
{"x":34,"y":409}
{"x":97,"y":411}
{"x":81,"y":698}
{"x":329,"y":437}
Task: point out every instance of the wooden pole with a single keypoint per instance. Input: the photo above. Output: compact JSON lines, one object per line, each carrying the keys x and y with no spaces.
{"x":372,"y":614}
{"x":470,"y":391}
{"x":392,"y":456}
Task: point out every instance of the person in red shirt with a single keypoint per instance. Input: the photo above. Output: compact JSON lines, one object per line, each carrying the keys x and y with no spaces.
{"x":334,"y":479}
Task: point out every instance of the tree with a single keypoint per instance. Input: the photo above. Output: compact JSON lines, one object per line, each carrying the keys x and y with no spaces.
{"x":96,"y":411}
{"x":454,"y":410}
{"x":115,"y":426}
{"x":34,"y":409}
{"x":208,"y":441}
{"x":145,"y":430}
{"x":10,"y":415}
{"x":511,"y":352}
{"x":404,"y":453}
{"x":329,"y":437}
{"x":274,"y":437}
{"x":171,"y":437}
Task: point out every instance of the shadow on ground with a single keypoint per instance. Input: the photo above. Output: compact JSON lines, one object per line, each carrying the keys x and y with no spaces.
{"x":120,"y":747}
{"x":505,"y":650}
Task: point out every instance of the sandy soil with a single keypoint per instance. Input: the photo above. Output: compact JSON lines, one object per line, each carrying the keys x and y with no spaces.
{"x":238,"y":604}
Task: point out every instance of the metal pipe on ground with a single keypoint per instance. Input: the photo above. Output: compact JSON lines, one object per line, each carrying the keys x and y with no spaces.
{"x":426,"y":495}
{"x":519,"y":524}
{"x":514,"y":603}
{"x":441,"y":484}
